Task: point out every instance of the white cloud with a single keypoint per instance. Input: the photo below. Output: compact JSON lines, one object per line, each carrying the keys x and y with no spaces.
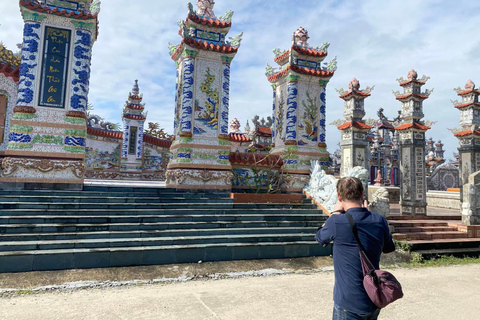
{"x":376,"y":41}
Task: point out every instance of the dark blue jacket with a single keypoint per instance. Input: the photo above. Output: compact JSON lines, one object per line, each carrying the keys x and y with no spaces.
{"x":374,"y":235}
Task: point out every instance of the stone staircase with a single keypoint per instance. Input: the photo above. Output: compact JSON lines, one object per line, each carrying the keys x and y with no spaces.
{"x":436,"y":235}
{"x":123,"y":226}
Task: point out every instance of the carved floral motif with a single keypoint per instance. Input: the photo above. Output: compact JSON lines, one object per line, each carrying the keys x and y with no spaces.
{"x":11,"y":165}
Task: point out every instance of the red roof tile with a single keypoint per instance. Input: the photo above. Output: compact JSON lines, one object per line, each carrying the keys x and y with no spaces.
{"x":135,"y":107}
{"x":417,"y":126}
{"x":421,"y":96}
{"x":467,"y":133}
{"x":358,"y":93}
{"x":465,"y":92}
{"x":156,"y":141}
{"x":264,"y":130}
{"x":104,"y":133}
{"x":209,"y":22}
{"x":468,"y":104}
{"x":307,"y":71}
{"x":412,"y":81}
{"x":134,"y":117}
{"x":356,"y":124}
{"x":238,"y":137}
{"x":59,"y":12}
{"x":309,"y":51}
{"x":199,"y":44}
{"x":250,"y":158}
{"x":282,"y":56}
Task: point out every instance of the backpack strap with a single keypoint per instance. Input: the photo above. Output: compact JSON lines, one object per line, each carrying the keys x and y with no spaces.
{"x":366,"y":264}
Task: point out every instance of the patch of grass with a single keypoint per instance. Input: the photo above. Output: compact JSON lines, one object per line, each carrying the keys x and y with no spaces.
{"x":441,"y":261}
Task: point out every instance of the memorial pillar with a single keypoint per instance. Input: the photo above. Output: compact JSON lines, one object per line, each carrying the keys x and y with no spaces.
{"x":413,"y":194}
{"x":201,"y":148}
{"x":46,"y":143}
{"x":299,"y":112}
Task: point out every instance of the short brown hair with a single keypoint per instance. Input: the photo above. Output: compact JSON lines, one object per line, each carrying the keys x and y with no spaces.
{"x":350,"y":189}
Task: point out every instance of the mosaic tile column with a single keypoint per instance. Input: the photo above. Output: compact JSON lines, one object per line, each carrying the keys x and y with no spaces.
{"x":300,"y":108}
{"x":201,"y":150}
{"x":322,"y":130}
{"x":274,"y":87}
{"x":224,"y":110}
{"x":187,"y":94}
{"x":48,"y":136}
{"x":291,"y":127}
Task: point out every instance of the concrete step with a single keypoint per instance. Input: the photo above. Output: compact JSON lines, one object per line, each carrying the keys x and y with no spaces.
{"x":71,"y":219}
{"x":176,"y":212}
{"x":93,"y":199}
{"x":152,"y":241}
{"x":442,"y":244}
{"x":429,"y":235}
{"x":457,"y":252}
{"x":423,"y":229}
{"x":429,"y":217}
{"x":418,"y":223}
{"x":153,"y":233}
{"x":92,"y":227}
{"x":175,"y":205}
{"x":22,"y":261}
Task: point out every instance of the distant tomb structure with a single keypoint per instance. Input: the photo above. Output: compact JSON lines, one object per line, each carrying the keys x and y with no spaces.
{"x":412,"y":144}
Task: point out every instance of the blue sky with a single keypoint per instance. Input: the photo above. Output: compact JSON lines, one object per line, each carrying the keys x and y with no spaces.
{"x":375,"y":41}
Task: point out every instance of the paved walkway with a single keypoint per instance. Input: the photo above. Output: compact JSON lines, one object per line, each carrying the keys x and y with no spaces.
{"x":430,"y":293}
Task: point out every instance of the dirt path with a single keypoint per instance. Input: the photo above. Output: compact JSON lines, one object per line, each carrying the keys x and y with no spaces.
{"x":430,"y":293}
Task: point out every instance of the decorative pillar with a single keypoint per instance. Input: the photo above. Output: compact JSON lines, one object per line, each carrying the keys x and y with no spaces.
{"x":354,"y":143}
{"x":48,"y":128}
{"x":413,"y":190}
{"x":469,"y":139}
{"x":274,"y":87}
{"x":133,"y":118}
{"x":299,"y":112}
{"x":201,"y":147}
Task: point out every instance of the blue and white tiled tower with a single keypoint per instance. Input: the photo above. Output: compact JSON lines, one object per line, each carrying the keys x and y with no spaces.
{"x":48,"y":128}
{"x":201,"y":147}
{"x":133,"y":123}
{"x":299,"y":94}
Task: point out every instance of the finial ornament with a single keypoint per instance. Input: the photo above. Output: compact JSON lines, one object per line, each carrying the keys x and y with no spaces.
{"x":301,"y":37}
{"x":205,"y":8}
{"x":412,"y":75}
{"x":136,"y":90}
{"x":470,"y":85}
{"x":354,"y":85}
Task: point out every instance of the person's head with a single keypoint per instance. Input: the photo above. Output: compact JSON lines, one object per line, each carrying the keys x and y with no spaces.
{"x":350,"y":189}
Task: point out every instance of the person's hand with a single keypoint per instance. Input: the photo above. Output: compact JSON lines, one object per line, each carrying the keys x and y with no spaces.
{"x":338,"y":207}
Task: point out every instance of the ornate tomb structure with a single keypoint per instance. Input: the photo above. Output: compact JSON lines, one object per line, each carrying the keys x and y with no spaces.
{"x":47,"y":136}
{"x":299,"y":104}
{"x":413,"y":199}
{"x":201,"y":146}
{"x":354,"y":143}
{"x":469,"y":134}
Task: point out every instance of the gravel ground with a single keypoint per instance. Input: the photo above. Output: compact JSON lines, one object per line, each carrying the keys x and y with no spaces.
{"x":288,"y":289}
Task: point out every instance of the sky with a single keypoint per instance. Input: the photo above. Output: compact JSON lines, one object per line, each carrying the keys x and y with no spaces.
{"x":375,"y":41}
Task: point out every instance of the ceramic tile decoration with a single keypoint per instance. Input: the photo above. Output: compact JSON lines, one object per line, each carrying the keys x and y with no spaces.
{"x":299,"y":106}
{"x":200,"y":151}
{"x":48,"y":122}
